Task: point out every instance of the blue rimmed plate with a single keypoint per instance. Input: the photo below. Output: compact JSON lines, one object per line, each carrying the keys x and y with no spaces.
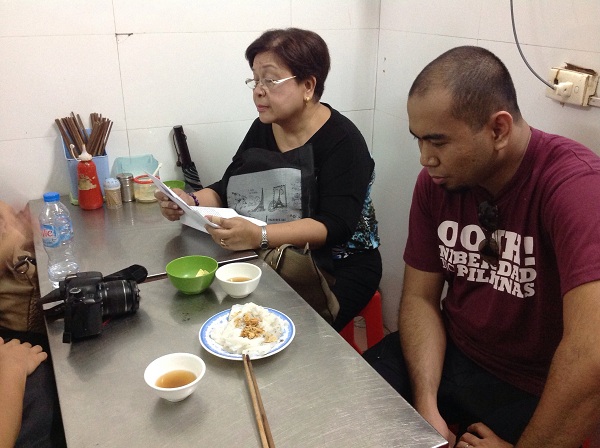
{"x":219,"y":320}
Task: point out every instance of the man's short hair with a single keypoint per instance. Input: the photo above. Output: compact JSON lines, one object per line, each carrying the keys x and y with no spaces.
{"x":478,"y":82}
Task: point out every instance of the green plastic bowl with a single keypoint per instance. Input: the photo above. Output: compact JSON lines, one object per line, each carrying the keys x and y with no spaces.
{"x":182,"y":273}
{"x":175,"y":184}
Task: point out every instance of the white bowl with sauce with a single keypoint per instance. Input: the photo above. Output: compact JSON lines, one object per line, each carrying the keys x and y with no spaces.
{"x":238,"y":279}
{"x":175,"y":376}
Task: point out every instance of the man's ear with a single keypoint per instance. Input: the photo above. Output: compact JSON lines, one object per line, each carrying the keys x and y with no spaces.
{"x":501,"y":125}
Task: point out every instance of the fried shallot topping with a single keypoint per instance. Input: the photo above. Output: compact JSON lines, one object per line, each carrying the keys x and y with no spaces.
{"x":251,"y":327}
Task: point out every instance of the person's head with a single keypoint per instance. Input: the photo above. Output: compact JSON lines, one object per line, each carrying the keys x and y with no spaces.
{"x":298,"y":61}
{"x":303,"y":52}
{"x":463,"y":109}
{"x":478,"y":82}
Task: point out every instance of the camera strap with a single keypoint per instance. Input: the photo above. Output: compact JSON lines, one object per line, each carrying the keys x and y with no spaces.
{"x":133,"y":272}
{"x":55,"y":310}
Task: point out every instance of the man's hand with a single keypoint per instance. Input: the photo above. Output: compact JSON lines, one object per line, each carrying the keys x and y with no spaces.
{"x":435,"y":419}
{"x":479,"y":435}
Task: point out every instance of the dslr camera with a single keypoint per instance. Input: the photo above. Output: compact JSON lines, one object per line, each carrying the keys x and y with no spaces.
{"x":87,"y":299}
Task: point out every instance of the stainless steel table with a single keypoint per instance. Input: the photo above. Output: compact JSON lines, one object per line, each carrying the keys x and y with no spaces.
{"x":110,"y":240}
{"x":318,"y":392}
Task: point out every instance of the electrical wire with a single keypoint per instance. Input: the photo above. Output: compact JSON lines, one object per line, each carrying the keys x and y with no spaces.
{"x":512,"y":18}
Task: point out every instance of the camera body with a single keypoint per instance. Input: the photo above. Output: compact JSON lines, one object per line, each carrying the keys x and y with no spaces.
{"x":83,"y":306}
{"x":88,"y":299}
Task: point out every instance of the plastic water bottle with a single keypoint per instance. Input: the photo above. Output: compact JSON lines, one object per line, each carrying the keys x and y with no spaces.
{"x":57,"y":236}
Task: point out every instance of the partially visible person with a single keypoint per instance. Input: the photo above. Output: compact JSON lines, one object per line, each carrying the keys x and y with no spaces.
{"x":29,"y":410}
{"x":19,"y":289}
{"x":17,"y":361}
{"x":507,"y":216}
{"x":15,"y":231}
{"x":303,"y":168}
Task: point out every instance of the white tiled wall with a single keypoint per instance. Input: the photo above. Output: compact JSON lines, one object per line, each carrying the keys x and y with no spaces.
{"x":151,"y":65}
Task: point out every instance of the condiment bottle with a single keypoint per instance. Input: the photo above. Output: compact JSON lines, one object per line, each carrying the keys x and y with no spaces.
{"x":112,"y":192}
{"x":127,"y":191}
{"x":90,"y":194}
{"x":144,"y":188}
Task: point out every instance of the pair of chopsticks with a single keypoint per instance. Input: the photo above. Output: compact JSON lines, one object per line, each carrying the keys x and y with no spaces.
{"x":259,"y":411}
{"x":76,"y":137}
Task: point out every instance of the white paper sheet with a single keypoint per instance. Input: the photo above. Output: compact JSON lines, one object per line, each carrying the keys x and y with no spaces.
{"x":194,"y":216}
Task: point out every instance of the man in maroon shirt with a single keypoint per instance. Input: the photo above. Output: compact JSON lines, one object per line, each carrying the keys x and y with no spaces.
{"x":507,"y":216}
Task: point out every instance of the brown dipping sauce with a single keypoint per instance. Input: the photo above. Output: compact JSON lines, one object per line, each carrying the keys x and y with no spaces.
{"x":239,"y":279}
{"x":175,"y":378}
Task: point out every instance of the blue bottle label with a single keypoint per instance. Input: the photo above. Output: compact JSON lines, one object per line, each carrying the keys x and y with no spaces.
{"x":50,"y":235}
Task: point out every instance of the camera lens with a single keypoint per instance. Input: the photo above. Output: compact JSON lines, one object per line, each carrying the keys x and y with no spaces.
{"x":119,"y":297}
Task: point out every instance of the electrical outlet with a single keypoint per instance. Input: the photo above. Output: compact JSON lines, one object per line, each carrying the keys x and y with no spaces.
{"x":571,"y":86}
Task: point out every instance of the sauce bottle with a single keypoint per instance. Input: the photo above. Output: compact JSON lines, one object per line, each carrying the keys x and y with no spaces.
{"x":90,"y":194}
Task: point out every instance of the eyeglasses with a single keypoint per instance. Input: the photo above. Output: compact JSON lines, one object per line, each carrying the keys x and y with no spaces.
{"x":267,"y":84}
{"x":487,"y":214}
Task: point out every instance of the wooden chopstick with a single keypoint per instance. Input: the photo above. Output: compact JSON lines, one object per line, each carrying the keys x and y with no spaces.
{"x":73,"y":132}
{"x":81,"y":127}
{"x":259,"y":410}
{"x":106,"y":137}
{"x":64,"y":134}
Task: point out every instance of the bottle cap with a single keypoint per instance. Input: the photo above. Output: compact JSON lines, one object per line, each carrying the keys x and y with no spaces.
{"x":51,"y":196}
{"x":85,"y":156}
{"x":111,"y":184}
{"x":143,"y":179}
{"x":125,"y":177}
{"x":127,"y":190}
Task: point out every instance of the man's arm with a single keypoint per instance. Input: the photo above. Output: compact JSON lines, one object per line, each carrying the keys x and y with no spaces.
{"x":569,"y":408}
{"x":423,"y":341}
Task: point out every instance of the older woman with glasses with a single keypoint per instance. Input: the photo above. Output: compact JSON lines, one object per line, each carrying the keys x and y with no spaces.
{"x":303,"y":168}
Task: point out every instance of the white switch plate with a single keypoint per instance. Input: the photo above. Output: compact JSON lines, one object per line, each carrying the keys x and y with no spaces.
{"x":572,"y":87}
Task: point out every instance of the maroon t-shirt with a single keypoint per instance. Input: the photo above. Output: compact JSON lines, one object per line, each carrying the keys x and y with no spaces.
{"x":508,"y":319}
